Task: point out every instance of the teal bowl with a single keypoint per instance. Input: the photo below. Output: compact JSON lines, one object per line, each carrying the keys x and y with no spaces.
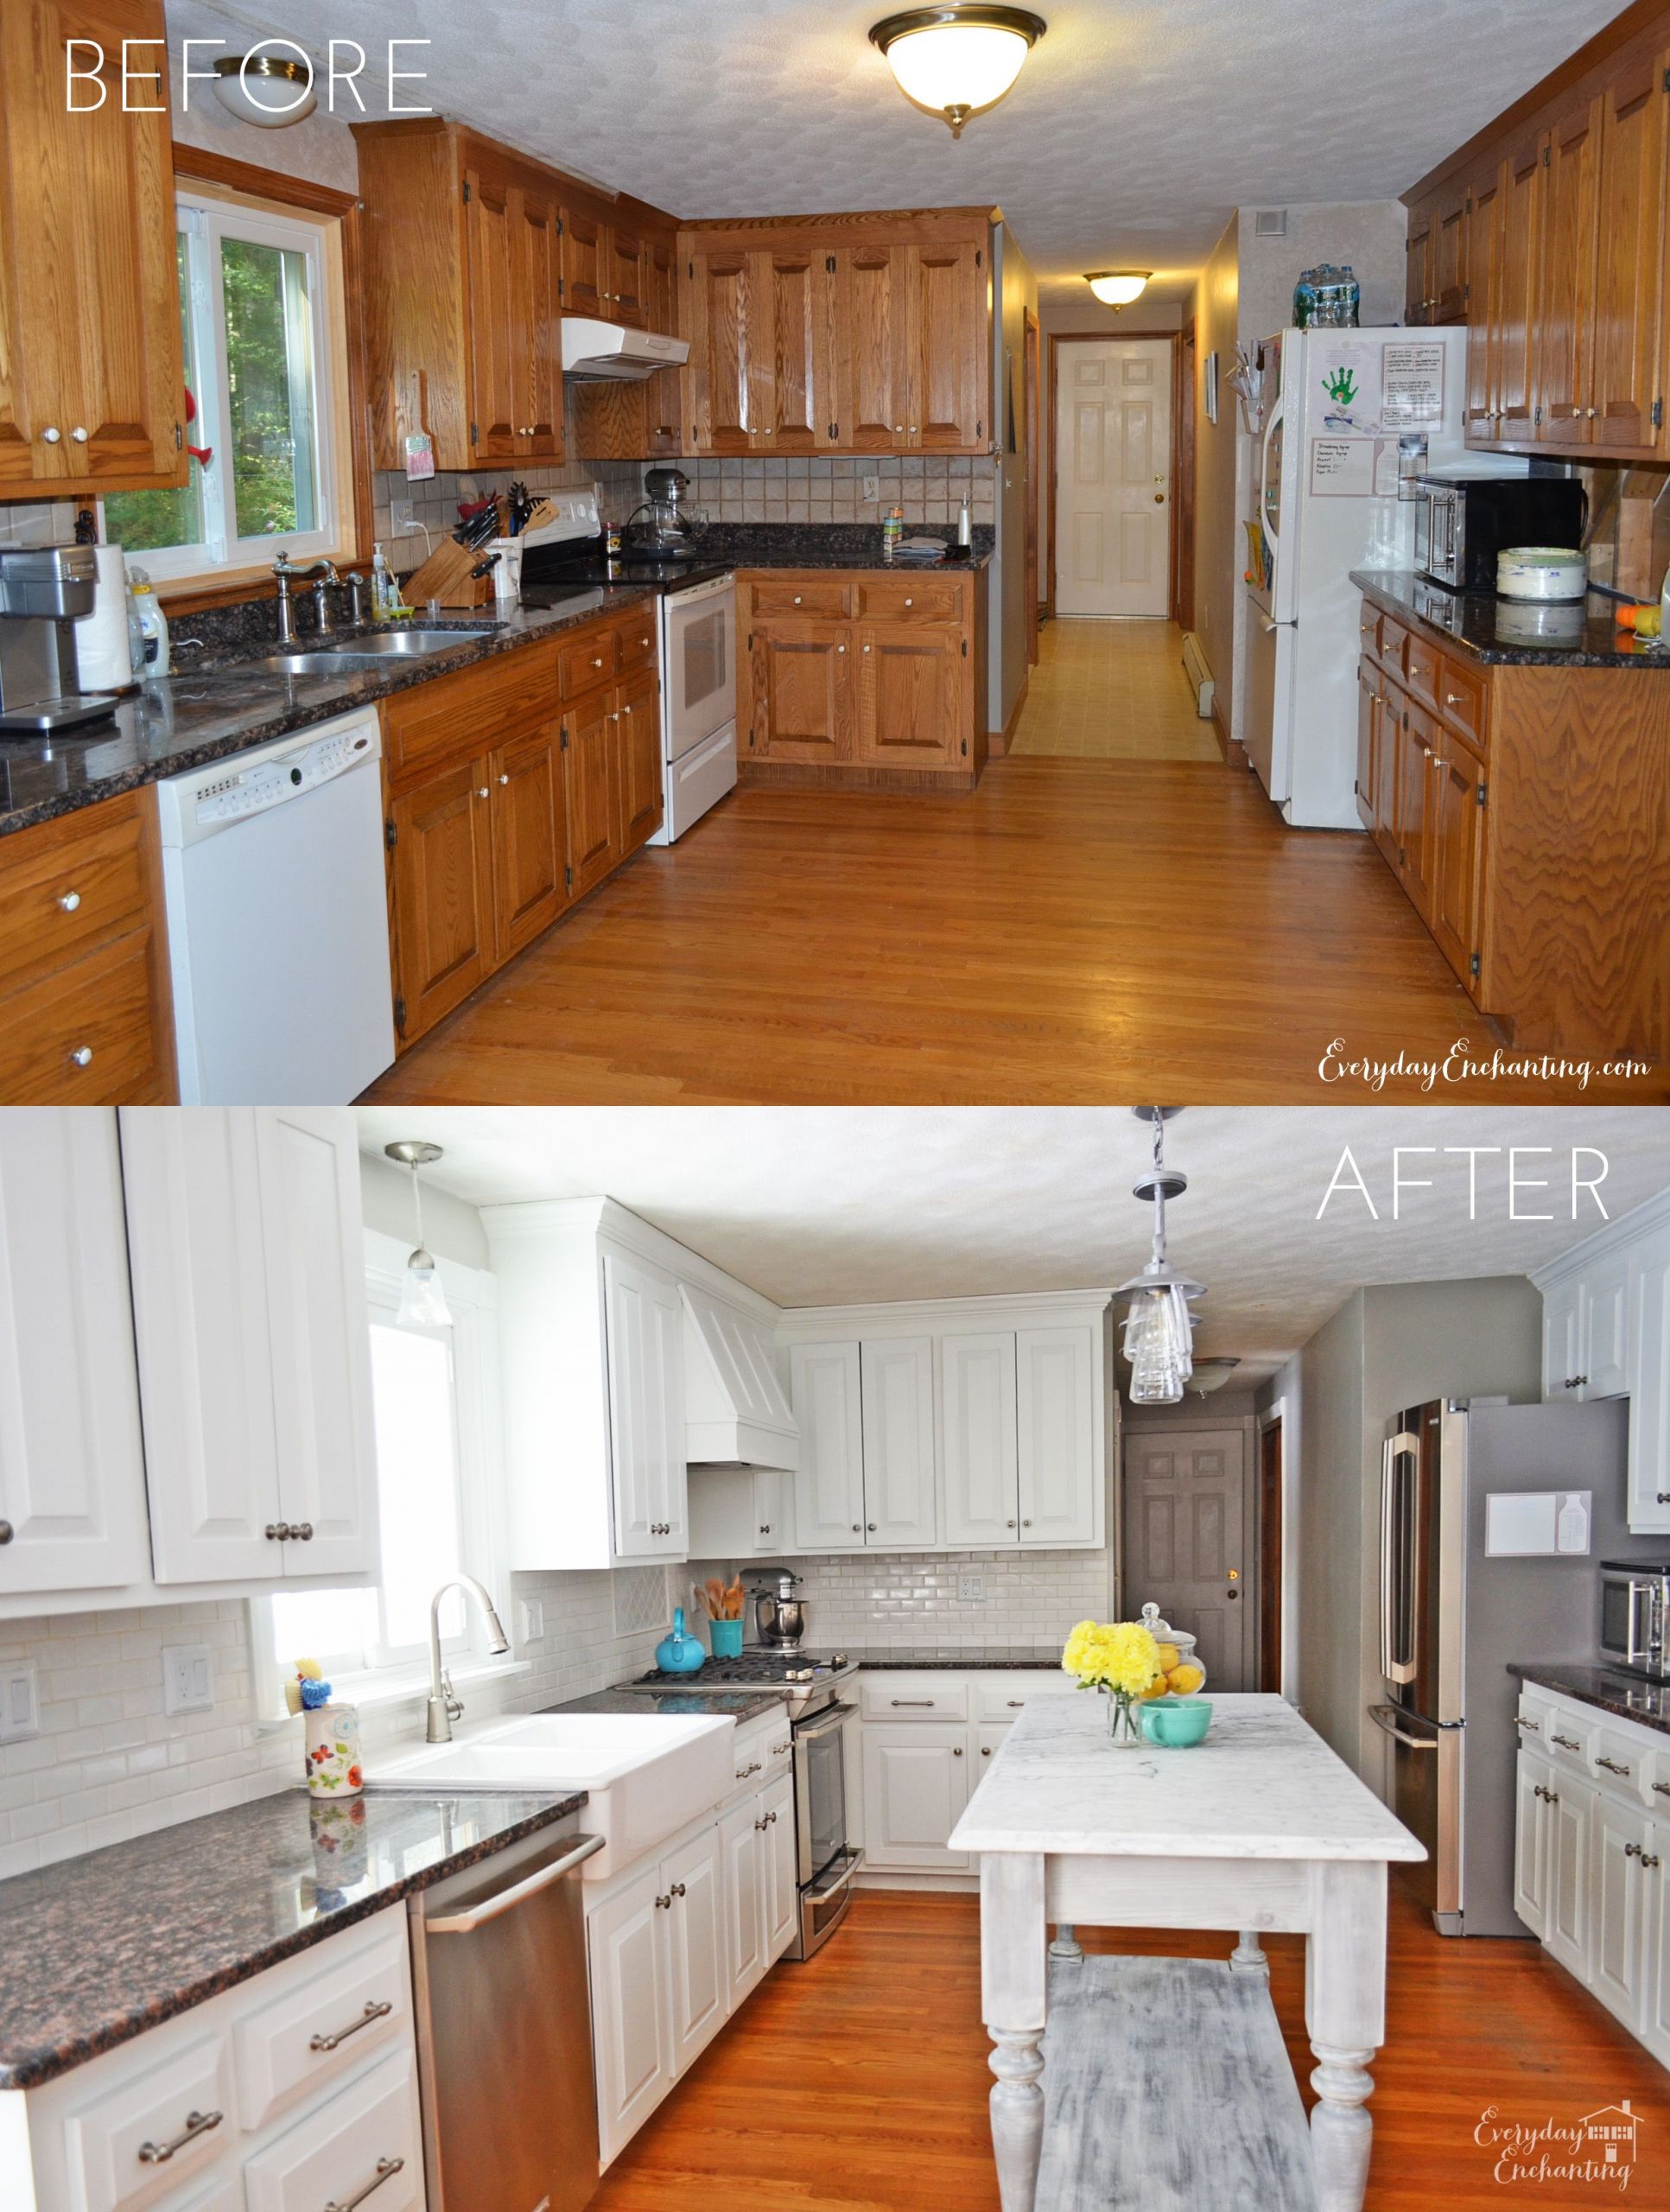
{"x":1179,"y":1726}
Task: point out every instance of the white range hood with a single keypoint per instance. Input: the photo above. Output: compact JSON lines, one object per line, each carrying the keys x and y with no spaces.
{"x":736,"y":1413}
{"x":591,"y":348}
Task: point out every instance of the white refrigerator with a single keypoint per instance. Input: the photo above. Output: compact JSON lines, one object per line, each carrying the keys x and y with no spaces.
{"x":1324,"y":490}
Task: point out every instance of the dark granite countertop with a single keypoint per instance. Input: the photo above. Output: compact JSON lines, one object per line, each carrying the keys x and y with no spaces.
{"x":202,"y":714}
{"x":983,"y":1658}
{"x":1632,"y":1697}
{"x":834,"y":545}
{"x":94,"y":1950}
{"x":1512,"y":633}
{"x":738,"y":1704}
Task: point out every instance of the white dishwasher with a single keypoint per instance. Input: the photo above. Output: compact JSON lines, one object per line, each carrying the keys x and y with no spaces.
{"x":278,"y":925}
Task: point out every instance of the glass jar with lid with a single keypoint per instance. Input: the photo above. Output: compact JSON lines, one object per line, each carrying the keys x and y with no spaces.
{"x":1183,"y":1643}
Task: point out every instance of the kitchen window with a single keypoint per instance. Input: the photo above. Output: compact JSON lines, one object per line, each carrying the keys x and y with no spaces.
{"x":261,"y":322}
{"x":436,"y":1406}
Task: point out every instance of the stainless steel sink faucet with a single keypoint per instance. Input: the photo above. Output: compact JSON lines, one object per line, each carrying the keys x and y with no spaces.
{"x":444,"y":1706}
{"x":283,"y":571}
{"x":324,"y":575}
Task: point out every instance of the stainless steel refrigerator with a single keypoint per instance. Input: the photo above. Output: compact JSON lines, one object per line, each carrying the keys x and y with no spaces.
{"x":1451,"y":1618}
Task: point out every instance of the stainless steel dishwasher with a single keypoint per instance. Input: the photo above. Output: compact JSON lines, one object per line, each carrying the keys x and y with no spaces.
{"x":504,"y":2030}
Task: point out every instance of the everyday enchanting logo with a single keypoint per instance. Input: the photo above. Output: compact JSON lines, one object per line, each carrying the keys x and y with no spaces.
{"x":1601,"y":2147}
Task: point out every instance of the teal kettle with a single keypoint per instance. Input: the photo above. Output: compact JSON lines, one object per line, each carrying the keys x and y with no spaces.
{"x":679,"y":1654}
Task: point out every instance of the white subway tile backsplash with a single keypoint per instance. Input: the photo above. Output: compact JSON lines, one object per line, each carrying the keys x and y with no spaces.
{"x":897,"y":1599}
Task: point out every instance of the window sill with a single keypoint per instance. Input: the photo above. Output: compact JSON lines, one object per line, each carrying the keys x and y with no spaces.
{"x":400,"y":1686}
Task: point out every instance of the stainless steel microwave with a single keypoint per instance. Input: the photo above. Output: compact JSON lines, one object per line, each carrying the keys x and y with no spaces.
{"x":1634,"y":1614}
{"x":1462,"y":523}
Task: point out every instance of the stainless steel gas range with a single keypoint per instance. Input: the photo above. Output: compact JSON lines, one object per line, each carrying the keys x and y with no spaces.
{"x":813,"y":1690}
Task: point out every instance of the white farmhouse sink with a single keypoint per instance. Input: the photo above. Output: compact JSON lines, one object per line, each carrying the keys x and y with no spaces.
{"x":646,"y":1774}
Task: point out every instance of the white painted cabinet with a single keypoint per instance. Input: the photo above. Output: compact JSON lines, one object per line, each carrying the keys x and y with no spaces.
{"x":829,"y":1485}
{"x":738,"y":1513}
{"x":897,"y":1384}
{"x":742,"y":1854}
{"x":1533,"y":1777}
{"x":643,"y":1328}
{"x":1649,"y":1397}
{"x":1562,"y":1362}
{"x":779,"y":1867}
{"x":1570,"y":1924}
{"x":977,"y":1429}
{"x":632,"y":2008}
{"x":915,"y":1785}
{"x":1620,"y":1899}
{"x":246,"y":1246}
{"x":1056,"y":1405}
{"x":1604,"y":1339}
{"x":71,"y":1468}
{"x":695,"y":1918}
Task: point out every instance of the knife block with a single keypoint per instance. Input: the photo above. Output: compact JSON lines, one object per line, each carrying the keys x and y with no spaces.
{"x":445,"y":577}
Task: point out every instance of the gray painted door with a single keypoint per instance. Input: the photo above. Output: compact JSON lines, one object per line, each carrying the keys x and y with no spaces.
{"x":1187,"y":1526}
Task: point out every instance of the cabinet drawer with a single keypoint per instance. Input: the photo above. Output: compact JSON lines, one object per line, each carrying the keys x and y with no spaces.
{"x":145,"y":2136}
{"x":1421,"y":668}
{"x":914,"y":1697}
{"x":999,"y":1697}
{"x":1531,"y":1724}
{"x":799,"y":595}
{"x":101,"y":1007}
{"x":586,"y":661}
{"x":1567,"y":1742}
{"x":1462,"y":700}
{"x":894,"y":598}
{"x":321,"y":2027}
{"x":635,"y":639}
{"x":1393,"y":639}
{"x":454,"y":716}
{"x":330,"y":2157}
{"x":69,"y":885}
{"x":1618,"y":1763}
{"x":1369,"y":630}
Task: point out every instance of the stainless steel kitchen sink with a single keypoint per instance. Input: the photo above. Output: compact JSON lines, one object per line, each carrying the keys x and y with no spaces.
{"x":340,"y":659}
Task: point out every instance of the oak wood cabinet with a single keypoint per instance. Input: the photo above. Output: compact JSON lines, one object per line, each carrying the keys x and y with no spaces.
{"x":91,"y":373}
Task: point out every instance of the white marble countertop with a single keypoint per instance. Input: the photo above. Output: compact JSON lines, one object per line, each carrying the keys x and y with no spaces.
{"x":1263,"y":1785}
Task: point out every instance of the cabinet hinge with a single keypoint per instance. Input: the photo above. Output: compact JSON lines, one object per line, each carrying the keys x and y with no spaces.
{"x":1666,"y":81}
{"x":390,"y":833}
{"x":1466,"y":293}
{"x":467,"y":192}
{"x":965,"y":748}
{"x":561,"y":286}
{"x":979,"y":431}
{"x":1549,"y":157}
{"x":835,"y":433}
{"x":965,"y":649}
{"x":979,"y":258}
{"x":692,"y":269}
{"x":1658,"y":414}
{"x":473,"y":433}
{"x":1483,"y":788}
{"x":751,"y":641}
{"x":560,"y":226}
{"x":563,"y":742}
{"x":828,"y":263}
{"x":751,"y":740}
{"x":400,"y":1015}
{"x":1473,"y":965}
{"x":179,"y":437}
{"x":568,"y":879}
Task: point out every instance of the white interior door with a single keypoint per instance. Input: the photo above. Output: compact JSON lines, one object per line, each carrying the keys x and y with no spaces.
{"x":1113,"y":478}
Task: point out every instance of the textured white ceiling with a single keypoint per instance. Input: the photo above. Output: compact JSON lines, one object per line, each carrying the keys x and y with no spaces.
{"x":832,"y":1205}
{"x":1134,"y":130}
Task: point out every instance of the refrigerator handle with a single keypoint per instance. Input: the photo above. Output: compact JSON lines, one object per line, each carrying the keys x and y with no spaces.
{"x":1385,"y":1716}
{"x":1270,"y":429}
{"x":1385,"y":1560}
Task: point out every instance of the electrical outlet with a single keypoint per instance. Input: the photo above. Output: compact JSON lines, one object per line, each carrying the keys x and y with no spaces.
{"x":20,"y":1701}
{"x":188,"y":1678}
{"x":873,"y":487}
{"x":400,"y":514}
{"x":533,"y":1620}
{"x":971,"y":1588}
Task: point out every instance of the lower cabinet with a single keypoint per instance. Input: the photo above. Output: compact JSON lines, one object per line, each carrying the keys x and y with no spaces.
{"x":915,"y":1785}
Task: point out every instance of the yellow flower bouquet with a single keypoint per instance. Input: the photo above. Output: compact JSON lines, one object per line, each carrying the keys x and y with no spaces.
{"x":1121,"y":1658}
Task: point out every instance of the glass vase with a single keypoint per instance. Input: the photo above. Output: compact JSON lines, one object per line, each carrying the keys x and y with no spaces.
{"x":1124,"y":1731}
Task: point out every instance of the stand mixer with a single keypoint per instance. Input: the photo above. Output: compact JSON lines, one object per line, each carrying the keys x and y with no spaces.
{"x":669,"y":534}
{"x":779,"y":1616}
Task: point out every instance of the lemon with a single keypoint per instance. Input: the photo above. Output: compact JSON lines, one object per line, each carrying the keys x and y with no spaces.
{"x":1169,"y":1657}
{"x":1185,"y":1679}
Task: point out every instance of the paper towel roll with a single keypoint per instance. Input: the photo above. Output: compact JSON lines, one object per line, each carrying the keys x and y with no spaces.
{"x":102,"y":659}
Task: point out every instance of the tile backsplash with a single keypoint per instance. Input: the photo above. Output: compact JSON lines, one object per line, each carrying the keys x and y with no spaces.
{"x":929,"y":487}
{"x":904,"y":1599}
{"x":109,"y":1762}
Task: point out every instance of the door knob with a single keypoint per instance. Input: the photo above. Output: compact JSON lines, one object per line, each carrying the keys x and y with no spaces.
{"x":1160,"y":498}
{"x":1232,"y":1595}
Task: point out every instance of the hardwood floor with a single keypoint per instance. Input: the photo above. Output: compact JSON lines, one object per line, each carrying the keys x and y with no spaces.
{"x":858,"y":2082}
{"x":1075,"y":931}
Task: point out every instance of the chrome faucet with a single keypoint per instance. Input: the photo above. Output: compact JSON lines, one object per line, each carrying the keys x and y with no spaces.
{"x":283,"y":571}
{"x":444,"y":1706}
{"x":324,"y":575}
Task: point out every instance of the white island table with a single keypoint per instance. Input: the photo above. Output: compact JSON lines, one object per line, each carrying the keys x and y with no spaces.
{"x":1164,"y":2082}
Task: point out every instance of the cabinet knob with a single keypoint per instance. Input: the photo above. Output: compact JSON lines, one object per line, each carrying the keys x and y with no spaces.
{"x":866,"y":649}
{"x":858,"y":1528}
{"x":504,"y":779}
{"x":597,"y":664}
{"x":485,"y":792}
{"x":870,"y":1525}
{"x":82,"y":1055}
{"x":1452,"y":698}
{"x":278,"y":1532}
{"x":679,"y":1889}
{"x":615,"y":717}
{"x":1592,"y":412}
{"x":913,"y":429}
{"x":1008,"y":1524}
{"x":1661,"y":1497}
{"x":898,"y":430}
{"x":51,"y":436}
{"x":1026,"y":1524}
{"x":956,"y":1750}
{"x":81,"y":435}
{"x":985,"y":1751}
{"x":910,"y":602}
{"x":797,"y":599}
{"x":7,"y":1532}
{"x":840,"y":649}
{"x":69,"y":901}
{"x":302,"y":1532}
{"x":625,"y":710}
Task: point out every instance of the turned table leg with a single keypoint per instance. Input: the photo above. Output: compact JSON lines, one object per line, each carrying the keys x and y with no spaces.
{"x":1065,"y":1944}
{"x":1345,"y":2015}
{"x":1248,"y":1957}
{"x":1012,"y":1969}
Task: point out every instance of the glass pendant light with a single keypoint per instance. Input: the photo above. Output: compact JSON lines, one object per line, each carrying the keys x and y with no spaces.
{"x":955,"y":61}
{"x":423,"y":1302}
{"x":1158,"y":1326}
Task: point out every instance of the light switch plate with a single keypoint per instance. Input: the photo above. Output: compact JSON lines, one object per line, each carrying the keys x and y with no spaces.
{"x":533,"y":1620}
{"x":20,"y":1701}
{"x":188,"y":1678}
{"x":872,"y":487}
{"x":971,"y":1587}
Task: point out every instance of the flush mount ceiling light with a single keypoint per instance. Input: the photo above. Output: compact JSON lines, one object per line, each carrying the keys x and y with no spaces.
{"x":1212,"y":1375}
{"x":1117,"y":288}
{"x":1159,"y":1328}
{"x":423,"y":1302}
{"x":265,"y":89}
{"x":955,"y":61}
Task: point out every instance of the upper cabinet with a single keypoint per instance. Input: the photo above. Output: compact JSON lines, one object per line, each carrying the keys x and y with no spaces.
{"x":91,"y":366}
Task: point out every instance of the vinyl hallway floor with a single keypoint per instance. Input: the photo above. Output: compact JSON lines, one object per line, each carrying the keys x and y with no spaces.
{"x":858,"y":2082}
{"x":1112,"y":691}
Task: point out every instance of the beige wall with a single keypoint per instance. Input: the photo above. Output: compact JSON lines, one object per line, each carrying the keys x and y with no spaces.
{"x":1017,"y":290}
{"x":1218,"y":569}
{"x":1369,"y":234}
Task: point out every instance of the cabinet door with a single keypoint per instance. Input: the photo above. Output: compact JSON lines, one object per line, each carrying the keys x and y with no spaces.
{"x":1056,"y":1421}
{"x":637,"y":745}
{"x":1603,"y":1343}
{"x":1456,"y":837}
{"x":1570,"y":1931}
{"x":583,"y":278}
{"x":720,"y":368}
{"x":591,"y":809}
{"x":779,"y":1868}
{"x":771,"y":1530}
{"x":915,"y":1785}
{"x":90,"y":368}
{"x":1654,"y":2029}
{"x":443,"y":912}
{"x":742,"y":1854}
{"x":1630,"y":267}
{"x":527,"y":836}
{"x":1389,"y":762}
{"x":1418,"y":265}
{"x":910,"y":697}
{"x":897,"y":1387}
{"x":1649,"y":1394}
{"x":492,"y":251}
{"x":196,"y":1254}
{"x":1484,"y":247}
{"x":791,"y":351}
{"x":645,"y":1332}
{"x":1532,"y":1777}
{"x":1415,"y":757}
{"x":874,"y":291}
{"x":623,"y":265}
{"x":698,"y":1981}
{"x":313,"y":1234}
{"x":1521,"y":238}
{"x":1566,"y":290}
{"x":977,"y":1427}
{"x":1622,"y":1892}
{"x":829,"y":1481}
{"x":803,"y":692}
{"x":1561,"y":1342}
{"x":72,"y":1471}
{"x":1368,"y":780}
{"x":946,"y":348}
{"x":631,"y":2012}
{"x":1449,"y":236}
{"x":539,"y":331}
{"x":659,"y":281}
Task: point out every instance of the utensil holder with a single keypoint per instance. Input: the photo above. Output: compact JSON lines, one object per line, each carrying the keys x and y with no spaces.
{"x":725,"y":1637}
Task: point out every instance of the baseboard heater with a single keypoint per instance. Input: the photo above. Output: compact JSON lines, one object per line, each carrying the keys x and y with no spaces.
{"x":1199,"y":676}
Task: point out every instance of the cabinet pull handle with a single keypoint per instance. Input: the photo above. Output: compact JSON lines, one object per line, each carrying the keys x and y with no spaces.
{"x":679,"y":1889}
{"x":197,"y":2123}
{"x":373,"y":2011}
{"x":82,"y":1055}
{"x":1536,"y":1726}
{"x":927,"y":1703}
{"x":69,"y":901}
{"x":1612,"y":1767}
{"x":384,"y":2168}
{"x":1015,"y":1704}
{"x":1568,"y":1743}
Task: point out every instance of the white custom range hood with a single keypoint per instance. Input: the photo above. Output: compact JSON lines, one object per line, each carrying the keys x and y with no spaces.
{"x":591,"y":348}
{"x":736,"y":1413}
